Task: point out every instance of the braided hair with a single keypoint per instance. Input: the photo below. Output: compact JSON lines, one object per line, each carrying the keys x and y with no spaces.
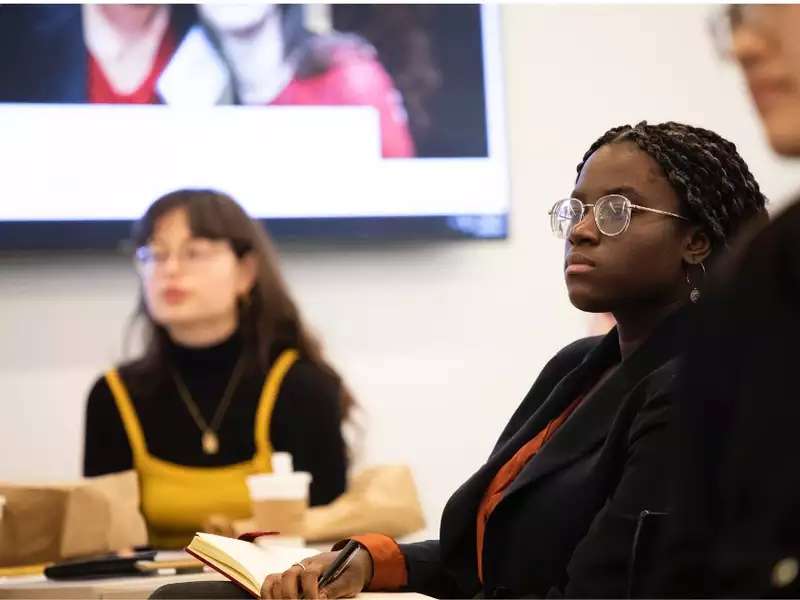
{"x":713,"y":183}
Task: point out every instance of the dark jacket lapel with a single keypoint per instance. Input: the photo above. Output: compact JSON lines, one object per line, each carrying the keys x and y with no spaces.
{"x":557,"y":399}
{"x":589,"y":424}
{"x":458,"y":518}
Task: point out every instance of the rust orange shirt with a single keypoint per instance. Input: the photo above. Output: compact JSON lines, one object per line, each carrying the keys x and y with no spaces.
{"x":508,"y":473}
{"x":389,"y":567}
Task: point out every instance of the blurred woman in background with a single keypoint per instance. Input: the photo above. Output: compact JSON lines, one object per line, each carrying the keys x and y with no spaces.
{"x":228,"y":375}
{"x":736,"y":528}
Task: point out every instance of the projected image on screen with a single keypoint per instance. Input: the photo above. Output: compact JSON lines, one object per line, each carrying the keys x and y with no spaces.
{"x":300,"y":112}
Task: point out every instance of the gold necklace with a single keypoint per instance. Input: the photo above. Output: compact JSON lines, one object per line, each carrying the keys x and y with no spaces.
{"x":209,"y":439}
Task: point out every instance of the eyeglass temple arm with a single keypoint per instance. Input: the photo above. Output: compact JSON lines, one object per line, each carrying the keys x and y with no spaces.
{"x":658,"y":212}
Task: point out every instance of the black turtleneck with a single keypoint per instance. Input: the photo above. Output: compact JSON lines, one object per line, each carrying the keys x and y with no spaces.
{"x":306,"y":419}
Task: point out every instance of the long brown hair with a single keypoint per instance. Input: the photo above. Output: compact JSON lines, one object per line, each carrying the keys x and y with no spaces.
{"x":268,"y":317}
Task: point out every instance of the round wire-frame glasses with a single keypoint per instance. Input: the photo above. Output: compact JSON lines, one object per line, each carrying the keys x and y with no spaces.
{"x":612,"y":214}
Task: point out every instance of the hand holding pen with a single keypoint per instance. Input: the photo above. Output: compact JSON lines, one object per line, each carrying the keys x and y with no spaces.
{"x":330,"y":575}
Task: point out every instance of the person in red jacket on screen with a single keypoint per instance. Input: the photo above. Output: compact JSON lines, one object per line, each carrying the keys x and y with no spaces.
{"x":274,"y":60}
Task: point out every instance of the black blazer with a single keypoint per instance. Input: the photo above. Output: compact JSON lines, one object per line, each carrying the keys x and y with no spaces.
{"x":566,"y":524}
{"x":735,"y":524}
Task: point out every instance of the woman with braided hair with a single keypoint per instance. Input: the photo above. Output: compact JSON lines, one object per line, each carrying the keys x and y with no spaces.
{"x":556,"y":506}
{"x":712,"y":179}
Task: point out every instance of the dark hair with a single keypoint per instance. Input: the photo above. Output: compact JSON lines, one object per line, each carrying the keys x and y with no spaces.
{"x":268,"y":318}
{"x":401,"y":35}
{"x":714,"y":184}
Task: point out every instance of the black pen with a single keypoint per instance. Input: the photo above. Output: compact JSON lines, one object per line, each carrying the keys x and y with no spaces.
{"x":339,"y":563}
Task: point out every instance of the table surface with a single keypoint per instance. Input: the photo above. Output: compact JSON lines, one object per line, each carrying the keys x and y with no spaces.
{"x":37,"y":587}
{"x":138,"y":587}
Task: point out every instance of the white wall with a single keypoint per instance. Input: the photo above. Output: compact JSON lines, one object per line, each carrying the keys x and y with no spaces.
{"x":439,"y":340}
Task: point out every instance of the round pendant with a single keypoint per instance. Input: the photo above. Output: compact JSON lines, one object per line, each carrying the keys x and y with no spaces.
{"x":694,"y":295}
{"x":210,"y":442}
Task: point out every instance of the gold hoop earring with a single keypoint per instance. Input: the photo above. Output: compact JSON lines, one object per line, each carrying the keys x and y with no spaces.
{"x":695,"y":293}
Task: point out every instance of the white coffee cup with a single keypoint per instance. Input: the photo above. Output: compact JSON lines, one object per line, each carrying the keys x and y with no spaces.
{"x":280,"y":501}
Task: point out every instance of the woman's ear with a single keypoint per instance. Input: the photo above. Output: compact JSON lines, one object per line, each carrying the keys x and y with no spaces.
{"x":248,"y":270}
{"x":697,"y":246}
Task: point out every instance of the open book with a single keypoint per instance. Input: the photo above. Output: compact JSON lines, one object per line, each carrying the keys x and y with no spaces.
{"x":244,"y":563}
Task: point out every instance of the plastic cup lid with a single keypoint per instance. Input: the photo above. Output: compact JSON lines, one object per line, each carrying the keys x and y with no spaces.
{"x":279,"y":486}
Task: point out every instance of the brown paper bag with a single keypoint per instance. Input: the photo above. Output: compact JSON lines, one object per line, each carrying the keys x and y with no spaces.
{"x":380,"y":499}
{"x":43,"y":523}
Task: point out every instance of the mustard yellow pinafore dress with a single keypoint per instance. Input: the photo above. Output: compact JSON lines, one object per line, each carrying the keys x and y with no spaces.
{"x":176,"y":499}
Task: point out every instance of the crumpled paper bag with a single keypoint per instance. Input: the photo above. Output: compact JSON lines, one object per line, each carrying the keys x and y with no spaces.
{"x":51,"y":522}
{"x":380,"y":499}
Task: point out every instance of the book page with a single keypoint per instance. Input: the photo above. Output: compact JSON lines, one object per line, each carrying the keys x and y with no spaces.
{"x":256,"y":562}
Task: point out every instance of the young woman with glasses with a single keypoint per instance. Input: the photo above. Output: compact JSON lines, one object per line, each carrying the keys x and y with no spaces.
{"x":229,"y":374}
{"x":561,"y":501}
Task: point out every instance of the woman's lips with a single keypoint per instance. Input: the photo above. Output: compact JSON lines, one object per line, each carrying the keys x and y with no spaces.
{"x":767,"y":92}
{"x":578,"y":268}
{"x":174,"y":296}
{"x":578,"y":263}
